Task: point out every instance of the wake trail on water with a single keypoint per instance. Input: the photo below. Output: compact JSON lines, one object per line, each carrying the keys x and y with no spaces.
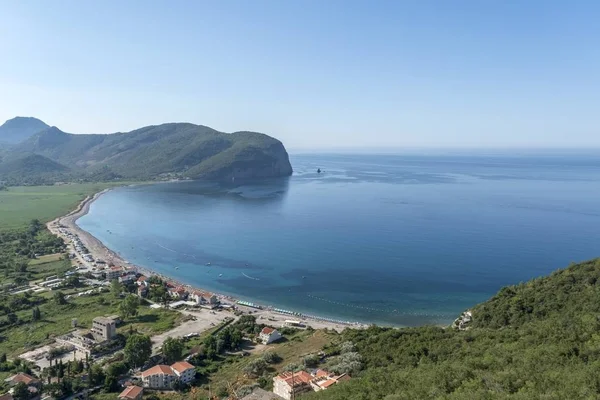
{"x":174,"y":251}
{"x":249,"y":277}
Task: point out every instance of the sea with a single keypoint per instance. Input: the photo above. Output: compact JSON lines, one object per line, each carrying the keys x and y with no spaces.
{"x":391,"y":239}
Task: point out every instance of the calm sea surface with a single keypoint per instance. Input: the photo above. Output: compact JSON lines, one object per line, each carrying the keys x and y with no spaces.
{"x":395,"y":240}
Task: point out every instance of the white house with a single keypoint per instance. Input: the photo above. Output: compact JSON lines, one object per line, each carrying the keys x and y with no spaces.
{"x":204,"y":297}
{"x":159,"y":377}
{"x":269,"y":335}
{"x":164,"y":376}
{"x":113,"y":273}
{"x":186,"y":373}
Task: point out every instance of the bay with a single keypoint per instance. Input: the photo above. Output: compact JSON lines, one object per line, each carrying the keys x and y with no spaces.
{"x":398,"y":240}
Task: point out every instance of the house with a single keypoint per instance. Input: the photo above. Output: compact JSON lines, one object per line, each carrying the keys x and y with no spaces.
{"x":104,"y":328}
{"x":113,"y":273}
{"x":164,"y":376}
{"x":178,"y":293}
{"x":290,"y":384}
{"x":23,"y":378}
{"x":132,"y":393}
{"x":269,"y":335}
{"x":323,"y":380}
{"x":142,"y":290}
{"x":159,"y":377}
{"x":127,"y":278}
{"x":142,"y":281}
{"x":204,"y":297}
{"x":186,"y":373}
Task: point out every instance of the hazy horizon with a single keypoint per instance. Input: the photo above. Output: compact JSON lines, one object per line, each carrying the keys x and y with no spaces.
{"x":314,"y":75}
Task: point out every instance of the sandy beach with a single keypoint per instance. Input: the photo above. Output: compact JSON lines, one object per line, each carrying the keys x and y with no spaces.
{"x":98,"y":250}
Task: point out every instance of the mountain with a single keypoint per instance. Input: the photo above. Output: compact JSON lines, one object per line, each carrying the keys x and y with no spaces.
{"x":535,"y":340}
{"x":20,"y":128}
{"x":168,"y":150}
{"x":31,"y":169}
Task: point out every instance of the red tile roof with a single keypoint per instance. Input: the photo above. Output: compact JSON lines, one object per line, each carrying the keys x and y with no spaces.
{"x":132,"y":392}
{"x":181,"y":366}
{"x":21,"y":377}
{"x":322,"y":374}
{"x":267,"y":330}
{"x":157,"y":370}
{"x":327,"y":383}
{"x":297,"y":378}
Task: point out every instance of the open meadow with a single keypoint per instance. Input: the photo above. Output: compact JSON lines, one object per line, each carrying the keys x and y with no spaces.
{"x":19,"y":205}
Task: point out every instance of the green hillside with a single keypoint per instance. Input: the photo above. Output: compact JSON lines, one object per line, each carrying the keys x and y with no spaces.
{"x":175,"y":150}
{"x":536,"y":340}
{"x":31,"y":169}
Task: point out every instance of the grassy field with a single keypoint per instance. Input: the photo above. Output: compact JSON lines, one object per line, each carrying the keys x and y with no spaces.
{"x":19,"y":205}
{"x":41,"y":270}
{"x":46,"y":259}
{"x":56,"y":320}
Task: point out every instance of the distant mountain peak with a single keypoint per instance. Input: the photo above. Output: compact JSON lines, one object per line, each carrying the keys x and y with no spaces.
{"x":19,"y":129}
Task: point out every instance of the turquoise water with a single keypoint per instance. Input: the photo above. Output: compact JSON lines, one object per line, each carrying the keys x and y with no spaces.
{"x":396,"y":240}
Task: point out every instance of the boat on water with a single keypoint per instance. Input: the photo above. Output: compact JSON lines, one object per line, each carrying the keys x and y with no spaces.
{"x":220,"y":275}
{"x":208,"y":264}
{"x":318,"y":170}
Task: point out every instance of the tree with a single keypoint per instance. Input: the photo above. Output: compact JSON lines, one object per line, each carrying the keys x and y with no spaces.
{"x":12,"y":318}
{"x":270,"y":357}
{"x":129,"y":306}
{"x":20,"y":391}
{"x":138,"y":350}
{"x":111,"y":384}
{"x":255,"y":368}
{"x":3,"y":358}
{"x":73,"y":280}
{"x":97,"y":376}
{"x":36,"y":314}
{"x":116,"y":288}
{"x":172,"y":349}
{"x":311,"y":360}
{"x":59,"y":298}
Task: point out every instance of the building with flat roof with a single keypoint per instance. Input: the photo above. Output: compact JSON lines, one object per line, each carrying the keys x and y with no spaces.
{"x":104,"y":328}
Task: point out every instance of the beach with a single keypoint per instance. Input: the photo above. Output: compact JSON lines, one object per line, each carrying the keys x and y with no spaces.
{"x":265,"y":314}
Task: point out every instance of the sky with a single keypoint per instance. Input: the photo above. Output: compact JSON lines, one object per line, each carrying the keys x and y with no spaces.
{"x":314,"y":74}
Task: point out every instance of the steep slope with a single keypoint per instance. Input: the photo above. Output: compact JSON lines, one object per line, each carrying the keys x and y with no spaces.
{"x":19,"y":129}
{"x":183,"y":149}
{"x":539,"y":339}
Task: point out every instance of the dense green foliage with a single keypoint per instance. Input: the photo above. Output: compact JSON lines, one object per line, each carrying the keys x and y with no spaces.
{"x":175,"y":150}
{"x":31,"y":169}
{"x":539,"y":339}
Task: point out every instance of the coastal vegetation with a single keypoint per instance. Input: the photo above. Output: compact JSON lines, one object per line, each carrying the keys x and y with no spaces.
{"x":539,"y":339}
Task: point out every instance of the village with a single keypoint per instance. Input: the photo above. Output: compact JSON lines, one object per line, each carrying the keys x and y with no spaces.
{"x":211,"y":326}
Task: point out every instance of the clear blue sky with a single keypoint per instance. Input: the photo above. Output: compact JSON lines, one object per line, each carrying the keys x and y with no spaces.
{"x":315,"y":74}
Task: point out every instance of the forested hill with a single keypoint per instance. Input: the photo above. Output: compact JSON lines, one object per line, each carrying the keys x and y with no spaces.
{"x":174,"y":150}
{"x":536,"y":340}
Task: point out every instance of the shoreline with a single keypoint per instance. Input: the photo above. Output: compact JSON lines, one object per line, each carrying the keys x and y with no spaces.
{"x":100,"y":251}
